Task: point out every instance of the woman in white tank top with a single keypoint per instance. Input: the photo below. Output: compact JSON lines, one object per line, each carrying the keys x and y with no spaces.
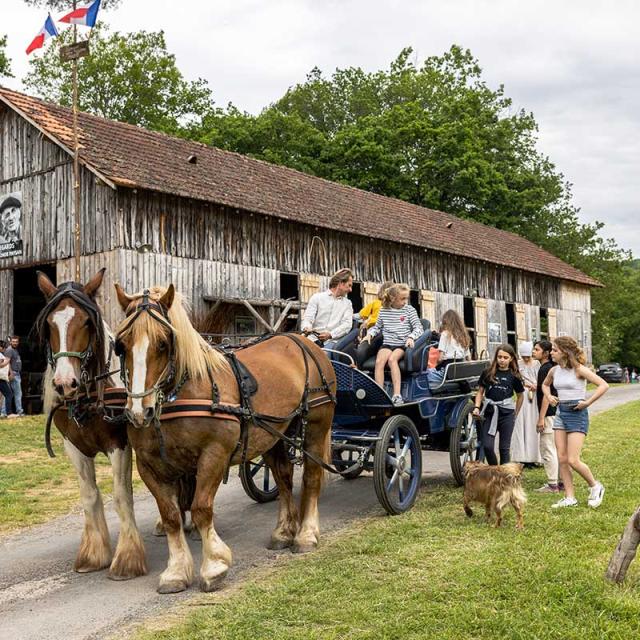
{"x":571,"y":425}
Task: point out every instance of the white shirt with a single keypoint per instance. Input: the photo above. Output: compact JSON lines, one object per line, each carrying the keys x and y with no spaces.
{"x":451,"y":348}
{"x":326,"y":312}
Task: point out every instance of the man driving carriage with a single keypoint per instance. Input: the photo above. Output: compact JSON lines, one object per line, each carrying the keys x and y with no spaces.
{"x":329,"y":314}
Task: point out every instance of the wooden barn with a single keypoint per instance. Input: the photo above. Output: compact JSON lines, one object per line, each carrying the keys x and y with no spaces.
{"x":224,"y":227}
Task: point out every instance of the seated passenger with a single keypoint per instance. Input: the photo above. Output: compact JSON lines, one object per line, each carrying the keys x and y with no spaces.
{"x":360,"y":349}
{"x":400,"y":326}
{"x":453,"y":346}
{"x":328,"y":316}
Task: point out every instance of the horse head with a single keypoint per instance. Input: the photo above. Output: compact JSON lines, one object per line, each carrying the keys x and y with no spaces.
{"x":145,"y":343}
{"x":70,"y":327}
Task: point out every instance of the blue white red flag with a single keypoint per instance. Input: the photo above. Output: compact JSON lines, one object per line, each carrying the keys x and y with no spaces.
{"x":83,"y":15}
{"x":48,"y":31}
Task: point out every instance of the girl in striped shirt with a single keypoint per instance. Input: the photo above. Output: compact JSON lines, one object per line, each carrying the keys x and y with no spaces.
{"x":400,"y":326}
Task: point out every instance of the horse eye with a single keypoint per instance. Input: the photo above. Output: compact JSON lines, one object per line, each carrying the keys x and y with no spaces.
{"x":162,"y":346}
{"x":118,"y":348}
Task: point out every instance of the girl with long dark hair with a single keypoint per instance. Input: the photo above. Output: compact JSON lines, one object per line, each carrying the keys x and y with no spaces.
{"x":494,"y":403}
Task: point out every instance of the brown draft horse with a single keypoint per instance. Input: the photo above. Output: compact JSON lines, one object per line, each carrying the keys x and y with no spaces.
{"x":164,"y":357}
{"x":77,"y":341}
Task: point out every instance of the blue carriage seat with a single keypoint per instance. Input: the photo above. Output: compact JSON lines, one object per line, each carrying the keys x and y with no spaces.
{"x":413,"y":358}
{"x":459,"y":377}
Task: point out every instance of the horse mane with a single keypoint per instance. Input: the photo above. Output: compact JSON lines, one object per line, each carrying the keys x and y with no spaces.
{"x":75,"y":292}
{"x":194,"y":355}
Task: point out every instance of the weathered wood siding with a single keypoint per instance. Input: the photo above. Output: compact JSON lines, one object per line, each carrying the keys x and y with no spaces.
{"x":188,"y":228}
{"x":43,"y":173}
{"x":194,"y":279}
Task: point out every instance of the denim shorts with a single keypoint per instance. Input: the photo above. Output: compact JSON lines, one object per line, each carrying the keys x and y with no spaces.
{"x":566,"y":419}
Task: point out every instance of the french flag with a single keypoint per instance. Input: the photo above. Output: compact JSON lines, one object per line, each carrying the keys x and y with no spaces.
{"x":48,"y":31}
{"x":84,"y":15}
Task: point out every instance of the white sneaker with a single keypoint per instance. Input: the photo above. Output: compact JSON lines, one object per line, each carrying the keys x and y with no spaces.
{"x":397,"y":400}
{"x":565,"y":502}
{"x":595,"y":495}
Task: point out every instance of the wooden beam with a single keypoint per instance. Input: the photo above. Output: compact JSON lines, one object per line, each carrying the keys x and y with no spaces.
{"x":256,"y":315}
{"x":283,"y":315}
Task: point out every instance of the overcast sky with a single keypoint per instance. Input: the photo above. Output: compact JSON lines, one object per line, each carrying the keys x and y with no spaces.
{"x":574,"y":64}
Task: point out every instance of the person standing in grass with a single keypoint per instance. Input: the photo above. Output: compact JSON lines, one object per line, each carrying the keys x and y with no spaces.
{"x":5,"y":387}
{"x":525,"y":445}
{"x":399,"y":325}
{"x":548,"y":453}
{"x":495,"y":404}
{"x":571,"y":423}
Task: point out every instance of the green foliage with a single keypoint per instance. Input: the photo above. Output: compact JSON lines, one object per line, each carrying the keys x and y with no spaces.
{"x":128,"y":77}
{"x":5,"y":63}
{"x":438,"y":136}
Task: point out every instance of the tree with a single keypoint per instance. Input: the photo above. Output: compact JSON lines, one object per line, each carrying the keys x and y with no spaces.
{"x":127,"y":77}
{"x":438,"y":136}
{"x":435,"y":135}
{"x":5,"y":63}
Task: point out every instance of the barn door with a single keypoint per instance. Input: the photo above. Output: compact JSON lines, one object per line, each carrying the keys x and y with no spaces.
{"x":369,"y":292}
{"x":552,"y":317}
{"x":482,"y":327}
{"x":521,"y":323}
{"x":428,"y":307}
{"x":309,"y":284}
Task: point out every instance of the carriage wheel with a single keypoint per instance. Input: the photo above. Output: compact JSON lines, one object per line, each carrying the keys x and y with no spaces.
{"x":463,"y":443}
{"x":397,"y":465}
{"x":257,"y":480}
{"x":345,"y":458}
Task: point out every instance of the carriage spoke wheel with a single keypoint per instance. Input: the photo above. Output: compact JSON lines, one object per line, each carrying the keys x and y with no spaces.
{"x":463,"y":443}
{"x":397,"y":465}
{"x":257,"y":480}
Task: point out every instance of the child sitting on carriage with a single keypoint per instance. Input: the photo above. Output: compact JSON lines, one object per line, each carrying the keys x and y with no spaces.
{"x":400,"y":326}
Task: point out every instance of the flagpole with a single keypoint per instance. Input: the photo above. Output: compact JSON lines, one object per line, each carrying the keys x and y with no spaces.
{"x":76,"y":159}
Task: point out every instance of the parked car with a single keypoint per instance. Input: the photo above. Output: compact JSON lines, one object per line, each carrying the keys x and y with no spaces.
{"x":611,"y":372}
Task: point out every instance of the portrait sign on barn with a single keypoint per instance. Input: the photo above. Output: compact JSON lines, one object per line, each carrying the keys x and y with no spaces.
{"x":11,"y":224}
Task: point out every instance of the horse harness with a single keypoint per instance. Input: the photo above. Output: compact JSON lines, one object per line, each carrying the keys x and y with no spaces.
{"x":167,"y":389}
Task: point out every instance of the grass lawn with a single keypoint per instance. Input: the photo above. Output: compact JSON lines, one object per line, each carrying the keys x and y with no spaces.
{"x":34,"y":487}
{"x":433,"y":573}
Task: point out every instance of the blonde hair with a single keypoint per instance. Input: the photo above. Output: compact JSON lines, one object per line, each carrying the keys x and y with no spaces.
{"x":572,"y":354}
{"x":383,"y":287}
{"x":392,"y":293}
{"x":194,"y":355}
{"x":454,"y":324}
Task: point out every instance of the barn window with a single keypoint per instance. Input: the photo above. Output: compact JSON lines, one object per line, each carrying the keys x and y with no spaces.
{"x":470,"y":323}
{"x":414,"y":301}
{"x":512,"y":337}
{"x":289,"y":286}
{"x":544,"y":324}
{"x":356,"y":296}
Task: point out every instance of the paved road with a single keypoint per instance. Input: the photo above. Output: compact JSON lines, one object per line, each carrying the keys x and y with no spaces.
{"x":41,"y":598}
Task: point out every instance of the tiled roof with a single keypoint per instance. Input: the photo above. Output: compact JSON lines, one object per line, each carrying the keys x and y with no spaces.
{"x":132,"y":157}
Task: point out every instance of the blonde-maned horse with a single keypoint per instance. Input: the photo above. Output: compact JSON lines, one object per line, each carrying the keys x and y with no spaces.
{"x":163,"y":356}
{"x":72,"y":329}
